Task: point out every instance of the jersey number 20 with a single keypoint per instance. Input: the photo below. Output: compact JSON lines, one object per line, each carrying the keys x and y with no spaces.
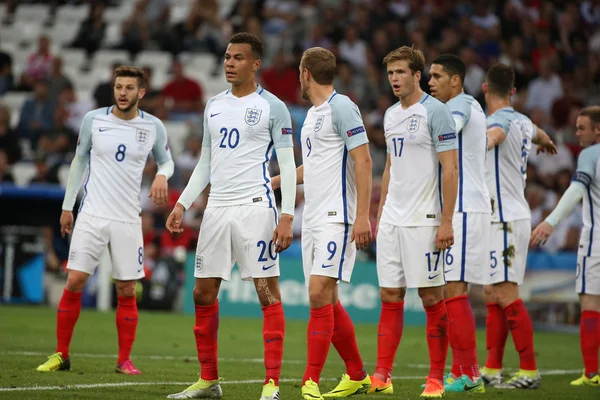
{"x":230,"y":138}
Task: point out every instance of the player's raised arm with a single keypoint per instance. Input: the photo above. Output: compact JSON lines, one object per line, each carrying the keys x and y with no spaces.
{"x":281,"y":132}
{"x":159,"y":190}
{"x":543,"y":141}
{"x":77,"y":171}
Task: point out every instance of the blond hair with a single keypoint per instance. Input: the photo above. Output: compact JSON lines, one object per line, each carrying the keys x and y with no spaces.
{"x":414,"y":57}
{"x":320,"y":63}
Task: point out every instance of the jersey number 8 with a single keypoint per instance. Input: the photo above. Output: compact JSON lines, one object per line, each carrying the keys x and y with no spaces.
{"x":120,"y":155}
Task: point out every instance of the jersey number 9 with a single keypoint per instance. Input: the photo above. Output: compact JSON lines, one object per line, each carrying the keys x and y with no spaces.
{"x":230,"y":138}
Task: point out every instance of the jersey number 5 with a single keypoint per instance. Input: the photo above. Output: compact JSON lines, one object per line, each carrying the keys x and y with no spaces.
{"x":231,"y":138}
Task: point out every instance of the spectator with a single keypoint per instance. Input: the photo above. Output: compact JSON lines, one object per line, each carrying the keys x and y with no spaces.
{"x":9,"y":142}
{"x":57,"y":143}
{"x":544,"y":90}
{"x":39,"y":64}
{"x":92,"y":30}
{"x":350,"y":83}
{"x":76,"y":108}
{"x":187,"y":161}
{"x":475,"y":74}
{"x":44,"y":172}
{"x":353,"y":49}
{"x":58,"y":81}
{"x":6,"y":74}
{"x":151,"y":100}
{"x":104,"y":94}
{"x":281,"y":79}
{"x":5,"y":175}
{"x":317,"y":39}
{"x":182,"y":96}
{"x":136,"y":30}
{"x":36,"y":114}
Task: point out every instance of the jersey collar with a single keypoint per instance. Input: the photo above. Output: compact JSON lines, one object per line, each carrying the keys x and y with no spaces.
{"x":259,"y":90}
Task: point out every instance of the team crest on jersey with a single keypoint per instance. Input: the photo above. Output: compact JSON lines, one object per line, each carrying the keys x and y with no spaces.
{"x":319,"y":123}
{"x":199,"y":263}
{"x":141,"y":136}
{"x":412,"y":125}
{"x":253,"y":116}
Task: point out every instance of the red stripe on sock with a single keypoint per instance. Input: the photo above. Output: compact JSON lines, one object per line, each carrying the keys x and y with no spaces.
{"x":67,"y":314}
{"x":496,"y":332}
{"x":461,"y":334}
{"x":127,"y":321}
{"x":437,"y":339}
{"x":319,"y":334}
{"x":589,"y":340}
{"x":344,"y":340}
{"x":273,"y":334}
{"x":389,"y":334}
{"x":206,"y":333}
{"x":521,"y":329}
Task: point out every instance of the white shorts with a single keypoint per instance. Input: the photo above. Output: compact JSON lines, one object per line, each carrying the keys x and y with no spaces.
{"x":588,"y":275}
{"x":467,"y":259}
{"x":328,"y":250}
{"x":408,"y":257}
{"x":242,"y":234}
{"x":509,"y":243}
{"x":124,"y":240}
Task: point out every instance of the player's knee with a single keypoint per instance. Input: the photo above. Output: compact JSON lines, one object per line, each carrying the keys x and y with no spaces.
{"x":392,"y":295}
{"x":76,"y":281}
{"x":204,"y":298}
{"x":489,"y":295}
{"x":267,"y":290}
{"x":506,"y":293}
{"x":589,"y":302}
{"x":431,"y":296}
{"x":454,"y":289}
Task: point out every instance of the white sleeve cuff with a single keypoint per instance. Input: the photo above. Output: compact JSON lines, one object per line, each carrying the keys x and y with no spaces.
{"x":287,"y":170}
{"x":458,"y":123}
{"x":79,"y":166}
{"x":567,"y":203}
{"x":166,"y":169}
{"x":198,"y":181}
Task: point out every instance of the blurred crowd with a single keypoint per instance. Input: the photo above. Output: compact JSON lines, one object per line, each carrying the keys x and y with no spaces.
{"x":554,"y":48}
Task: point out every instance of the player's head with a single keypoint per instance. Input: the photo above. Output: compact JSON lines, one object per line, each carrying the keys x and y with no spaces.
{"x":447,"y":74}
{"x":588,"y":126}
{"x":130,"y":87}
{"x":404,"y":68}
{"x":317,"y":67}
{"x":499,"y":82}
{"x":242,"y":58}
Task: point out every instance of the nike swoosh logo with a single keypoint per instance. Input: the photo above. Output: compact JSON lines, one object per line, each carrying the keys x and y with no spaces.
{"x":130,"y":319}
{"x":326,"y":266}
{"x":104,"y":129}
{"x":59,"y":310}
{"x":433,"y":277}
{"x":320,"y":333}
{"x":269,"y":267}
{"x":273,"y":340}
{"x":448,"y":270}
{"x":214,"y":115}
{"x":468,"y":387}
{"x":139,"y":270}
{"x":493,"y":273}
{"x":377,"y":390}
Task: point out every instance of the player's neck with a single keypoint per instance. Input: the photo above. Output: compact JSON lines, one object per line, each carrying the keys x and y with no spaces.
{"x":125,"y":115}
{"x":412,"y":98}
{"x":319,"y":94}
{"x":244,"y":88}
{"x":496,"y":103}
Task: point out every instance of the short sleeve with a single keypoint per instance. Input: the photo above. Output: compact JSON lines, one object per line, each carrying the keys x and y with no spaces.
{"x":280,"y":124}
{"x":460,"y":108}
{"x":498,"y":120}
{"x":161,"y":151}
{"x":586,"y":165}
{"x":441,"y":127}
{"x":347,"y":122}
{"x":84,"y":141}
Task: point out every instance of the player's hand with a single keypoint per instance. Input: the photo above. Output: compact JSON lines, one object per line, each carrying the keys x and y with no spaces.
{"x":540,"y":234}
{"x":444,"y":239}
{"x":159,"y":191}
{"x":276,"y":182}
{"x":173,"y":224}
{"x":549,"y":148}
{"x":283,"y":234}
{"x":361,"y":233}
{"x":66,"y":223}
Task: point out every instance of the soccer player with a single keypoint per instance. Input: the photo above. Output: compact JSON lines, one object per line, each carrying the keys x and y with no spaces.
{"x":510,"y":135}
{"x":465,"y":261}
{"x":241,"y":127}
{"x":336,"y":173}
{"x":585,"y":185}
{"x":414,"y":228}
{"x":113,"y":145}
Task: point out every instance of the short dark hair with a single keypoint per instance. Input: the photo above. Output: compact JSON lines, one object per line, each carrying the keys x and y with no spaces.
{"x":247,"y":38}
{"x":132,"y":72}
{"x":415,"y":58}
{"x":320,"y":63}
{"x":453,"y":65}
{"x":500,"y":79}
{"x":593,"y":113}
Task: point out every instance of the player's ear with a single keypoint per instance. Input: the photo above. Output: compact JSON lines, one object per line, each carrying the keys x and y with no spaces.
{"x":484,"y":87}
{"x":513,"y":91}
{"x":256,"y":65}
{"x":418,"y":76}
{"x":141,"y":93}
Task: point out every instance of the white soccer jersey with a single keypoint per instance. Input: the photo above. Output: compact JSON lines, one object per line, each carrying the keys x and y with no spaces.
{"x":118,"y":150}
{"x":414,"y":136}
{"x":329,"y":132}
{"x":473,"y":195}
{"x":506,"y":165}
{"x":588,"y":173}
{"x":241,"y":132}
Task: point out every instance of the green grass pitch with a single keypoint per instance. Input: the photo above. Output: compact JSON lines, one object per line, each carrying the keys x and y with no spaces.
{"x":165,"y":353}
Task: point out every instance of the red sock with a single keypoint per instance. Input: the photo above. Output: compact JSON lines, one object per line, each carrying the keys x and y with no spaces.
{"x":205,"y":331}
{"x":127,"y":321}
{"x":521,"y":329}
{"x":319,"y":333}
{"x":589,"y":339}
{"x":496,"y":332}
{"x":461,"y":334}
{"x":344,"y":340}
{"x":66,"y":318}
{"x":273,"y":333}
{"x":437,"y":339}
{"x":389,"y":333}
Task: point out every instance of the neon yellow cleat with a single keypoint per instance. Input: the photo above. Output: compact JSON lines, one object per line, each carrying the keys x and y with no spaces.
{"x":200,"y":390}
{"x":55,"y":363}
{"x":585,"y":381}
{"x":270,"y":391}
{"x":310,"y":391}
{"x":380,"y":387}
{"x":434,"y":388}
{"x":348,"y":387}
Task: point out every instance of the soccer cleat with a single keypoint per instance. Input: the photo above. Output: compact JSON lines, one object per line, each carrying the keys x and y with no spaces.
{"x":310,"y":391}
{"x":464,"y":384}
{"x":522,"y":380}
{"x":380,"y":387}
{"x":270,"y":391}
{"x":491,"y":377}
{"x":434,"y":388}
{"x":55,"y":363}
{"x":585,"y":381}
{"x":448,"y":379}
{"x":348,"y":387}
{"x":127,"y":368}
{"x":200,"y":390}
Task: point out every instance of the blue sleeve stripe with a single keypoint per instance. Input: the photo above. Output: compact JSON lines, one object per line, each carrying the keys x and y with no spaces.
{"x":582,"y":177}
{"x":458,"y":113}
{"x":495,"y":125}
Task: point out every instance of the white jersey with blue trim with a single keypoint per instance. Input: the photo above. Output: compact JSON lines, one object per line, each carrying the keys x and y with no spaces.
{"x":118,"y":150}
{"x":473,"y":195}
{"x":242,"y":132}
{"x":329,"y":132}
{"x":506,"y":165}
{"x":414,"y":136}
{"x":588,"y":173}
